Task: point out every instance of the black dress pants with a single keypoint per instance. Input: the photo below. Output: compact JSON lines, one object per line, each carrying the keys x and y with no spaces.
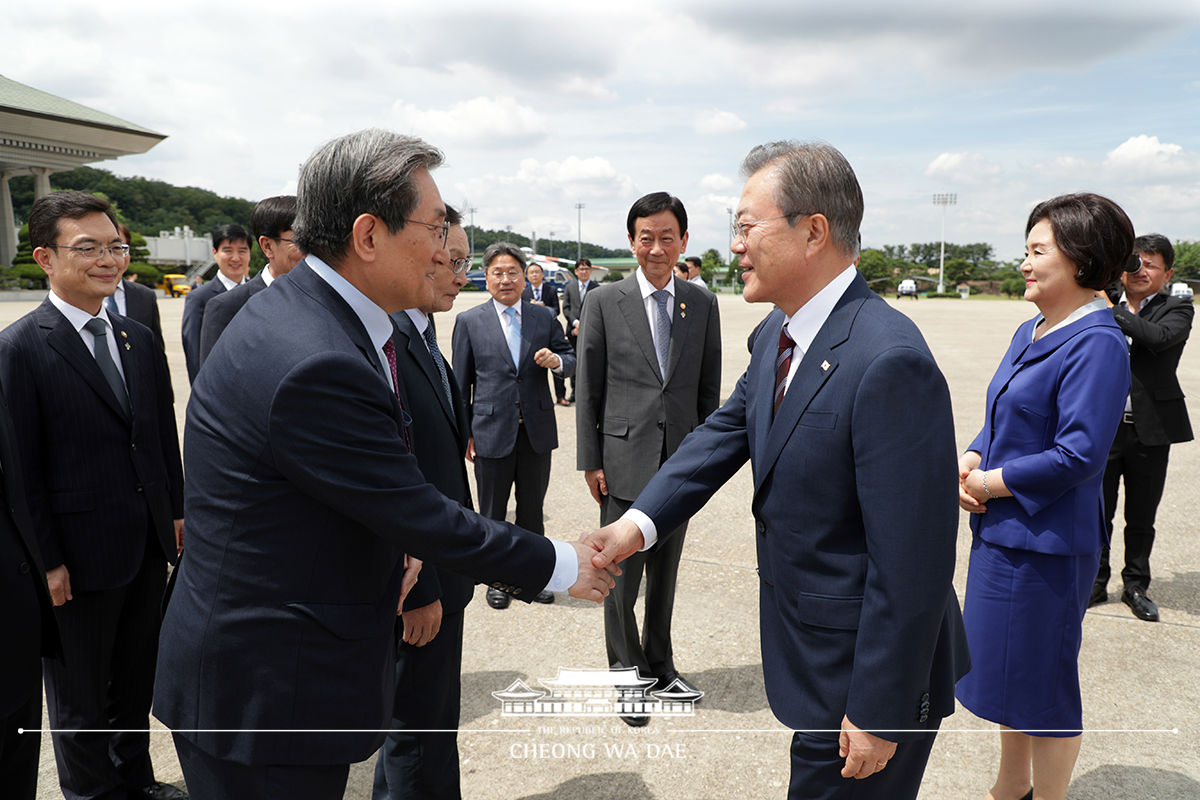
{"x":105,"y":681}
{"x":529,"y":470}
{"x":19,"y":751}
{"x":1144,"y":469}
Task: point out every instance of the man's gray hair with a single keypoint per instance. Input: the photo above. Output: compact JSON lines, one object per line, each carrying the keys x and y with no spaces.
{"x":503,"y":249}
{"x":814,"y":178}
{"x":369,"y":172}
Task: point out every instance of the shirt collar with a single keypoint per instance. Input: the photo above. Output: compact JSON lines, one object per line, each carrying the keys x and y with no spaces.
{"x":806,"y":323}
{"x":648,"y":288}
{"x":418,"y":319}
{"x":75,"y":315}
{"x":267,"y":276}
{"x":502,"y":310}
{"x":373,"y":318}
{"x":229,"y":284}
{"x":1095,"y":304}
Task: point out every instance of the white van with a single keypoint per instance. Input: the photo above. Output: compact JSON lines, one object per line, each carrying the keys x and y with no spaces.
{"x":1181,"y":290}
{"x":907,"y":288}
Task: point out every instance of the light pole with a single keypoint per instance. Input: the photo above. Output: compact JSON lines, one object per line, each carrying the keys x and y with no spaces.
{"x":471,"y":211}
{"x":943,"y":200}
{"x":579,"y":229}
{"x":550,"y":239}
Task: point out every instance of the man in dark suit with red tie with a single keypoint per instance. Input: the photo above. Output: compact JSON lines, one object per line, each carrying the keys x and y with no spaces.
{"x":92,"y":408}
{"x":305,"y":506}
{"x":846,"y":421}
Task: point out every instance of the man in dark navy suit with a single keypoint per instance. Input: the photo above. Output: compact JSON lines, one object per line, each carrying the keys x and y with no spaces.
{"x":502,"y":350}
{"x":846,"y":421}
{"x":95,"y":424}
{"x":27,"y":626}
{"x":305,"y":506}
{"x":271,"y":222}
{"x":429,"y":655}
{"x":573,"y":296}
{"x":133,"y":300}
{"x":231,"y":251}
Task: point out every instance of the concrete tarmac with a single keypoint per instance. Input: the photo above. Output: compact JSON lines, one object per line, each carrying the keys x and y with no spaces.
{"x":1141,"y":696}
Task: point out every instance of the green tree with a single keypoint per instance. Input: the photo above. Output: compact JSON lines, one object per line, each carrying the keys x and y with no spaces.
{"x":1187,"y":260}
{"x":1013,"y":285}
{"x":957,"y":270}
{"x":710,"y":264}
{"x":874,"y":266}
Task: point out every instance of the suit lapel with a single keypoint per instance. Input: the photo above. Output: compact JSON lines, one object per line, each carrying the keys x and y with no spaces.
{"x":311,"y":284}
{"x":415,"y":345}
{"x":634,"y":311}
{"x":133,"y":375}
{"x":816,"y":368}
{"x":527,"y":333}
{"x":682,"y":326}
{"x":62,"y":337}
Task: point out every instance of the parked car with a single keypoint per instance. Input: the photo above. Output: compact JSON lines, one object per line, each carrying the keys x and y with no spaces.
{"x":1181,"y":290}
{"x":907,"y":288}
{"x":174,"y":285}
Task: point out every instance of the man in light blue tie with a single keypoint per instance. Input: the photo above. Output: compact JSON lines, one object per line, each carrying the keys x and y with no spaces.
{"x":502,"y":350}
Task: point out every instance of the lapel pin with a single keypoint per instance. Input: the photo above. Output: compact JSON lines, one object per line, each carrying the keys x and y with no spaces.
{"x":824,"y":366}
{"x":124,"y":334}
{"x":683,"y":305}
{"x":127,"y":347}
{"x":682,"y":314}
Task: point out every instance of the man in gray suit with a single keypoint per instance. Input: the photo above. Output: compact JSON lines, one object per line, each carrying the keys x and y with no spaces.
{"x":649,"y":372}
{"x":502,"y":350}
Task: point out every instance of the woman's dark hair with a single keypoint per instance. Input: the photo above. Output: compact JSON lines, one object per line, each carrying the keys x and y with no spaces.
{"x":1092,"y":231}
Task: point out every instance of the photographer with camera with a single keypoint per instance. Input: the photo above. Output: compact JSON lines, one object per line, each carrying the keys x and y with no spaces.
{"x":1156,"y":326}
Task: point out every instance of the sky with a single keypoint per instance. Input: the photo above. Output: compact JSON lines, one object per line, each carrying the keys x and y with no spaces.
{"x":540,"y":106}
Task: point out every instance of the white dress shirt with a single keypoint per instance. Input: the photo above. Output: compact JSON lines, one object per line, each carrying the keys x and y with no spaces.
{"x":650,"y":304}
{"x":229,"y":282}
{"x":78,"y":318}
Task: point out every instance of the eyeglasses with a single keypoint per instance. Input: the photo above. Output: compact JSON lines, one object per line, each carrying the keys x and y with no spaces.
{"x":285,"y":239}
{"x":739,"y":229}
{"x":95,"y":251}
{"x":506,"y":275}
{"x":459,"y":265}
{"x":444,"y":228}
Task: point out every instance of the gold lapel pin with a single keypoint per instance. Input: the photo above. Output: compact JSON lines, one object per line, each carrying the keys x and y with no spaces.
{"x":126,"y":335}
{"x":824,"y":366}
{"x":683,"y":305}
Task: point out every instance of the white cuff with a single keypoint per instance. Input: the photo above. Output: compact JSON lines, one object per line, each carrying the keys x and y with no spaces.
{"x":645,"y":525}
{"x":566,"y":567}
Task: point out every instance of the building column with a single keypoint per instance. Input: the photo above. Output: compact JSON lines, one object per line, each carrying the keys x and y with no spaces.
{"x":8,"y":233}
{"x":41,"y":181}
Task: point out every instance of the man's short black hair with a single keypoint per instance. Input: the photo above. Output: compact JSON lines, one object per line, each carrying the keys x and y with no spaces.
{"x":651,"y":204}
{"x":232,"y":233}
{"x":694,"y":261}
{"x":452,"y":216}
{"x":1156,"y":244}
{"x":272,"y":216}
{"x":48,"y":209}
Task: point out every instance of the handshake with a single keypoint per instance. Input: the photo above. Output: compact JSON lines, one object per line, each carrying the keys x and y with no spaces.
{"x":599,"y":552}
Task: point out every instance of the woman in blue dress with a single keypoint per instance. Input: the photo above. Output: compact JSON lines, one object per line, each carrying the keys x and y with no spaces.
{"x":1032,"y":482}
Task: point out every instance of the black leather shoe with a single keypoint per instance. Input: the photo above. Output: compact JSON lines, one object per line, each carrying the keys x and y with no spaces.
{"x":635,"y":722}
{"x":665,"y":681}
{"x":1099,"y":595}
{"x":544,"y":597}
{"x":1142,"y":606}
{"x":498,"y":599}
{"x":158,"y":791}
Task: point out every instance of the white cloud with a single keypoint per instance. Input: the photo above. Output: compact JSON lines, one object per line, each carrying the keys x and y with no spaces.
{"x":962,"y":168}
{"x":716,"y":182}
{"x":1144,"y":157}
{"x":716,"y":121}
{"x":500,"y":121}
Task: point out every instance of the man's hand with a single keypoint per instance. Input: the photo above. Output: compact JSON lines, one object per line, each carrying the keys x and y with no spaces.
{"x":178,"y":536}
{"x":614,"y":543}
{"x":575,"y":328}
{"x":422,"y":624}
{"x":412,"y":569}
{"x":596,"y":484}
{"x":593,"y":582}
{"x":59,"y":583}
{"x":470,"y":454}
{"x":547,"y":358}
{"x":865,"y":753}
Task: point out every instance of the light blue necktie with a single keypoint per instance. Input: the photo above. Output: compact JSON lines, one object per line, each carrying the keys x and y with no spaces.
{"x":110,"y":303}
{"x":513,"y":334}
{"x":662,"y":327}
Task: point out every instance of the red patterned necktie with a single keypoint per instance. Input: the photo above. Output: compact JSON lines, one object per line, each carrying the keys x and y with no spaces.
{"x":783,"y":365}
{"x":389,"y":350}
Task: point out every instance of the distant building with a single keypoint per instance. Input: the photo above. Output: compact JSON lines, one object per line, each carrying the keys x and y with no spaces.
{"x":41,"y":134}
{"x":181,"y":247}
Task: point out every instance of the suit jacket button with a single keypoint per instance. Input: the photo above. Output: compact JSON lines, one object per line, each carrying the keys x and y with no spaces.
{"x":24,"y":568}
{"x":923,"y":718}
{"x":762,"y":529}
{"x":139,"y":488}
{"x":660,"y":424}
{"x":133,"y":445}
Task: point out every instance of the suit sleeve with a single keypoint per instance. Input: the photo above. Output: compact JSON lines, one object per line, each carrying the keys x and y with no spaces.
{"x":1157,"y":335}
{"x":156,"y":322}
{"x":462,"y":359}
{"x":1092,"y":387}
{"x":905,"y":466}
{"x":590,"y":372}
{"x":217,"y":315}
{"x":20,"y":389}
{"x":708,"y":395}
{"x":706,"y":460}
{"x":333,"y":435}
{"x":560,"y":345}
{"x":168,"y":434}
{"x":193,"y":315}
